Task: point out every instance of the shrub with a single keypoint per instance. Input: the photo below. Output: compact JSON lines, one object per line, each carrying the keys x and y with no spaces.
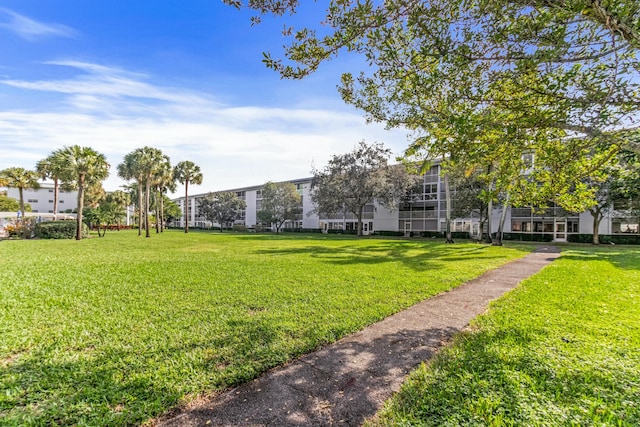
{"x":618,"y":239}
{"x":241,"y":228}
{"x":336,"y":231}
{"x":387,"y":233}
{"x":20,"y":228}
{"x":527,"y":237}
{"x":59,"y":230}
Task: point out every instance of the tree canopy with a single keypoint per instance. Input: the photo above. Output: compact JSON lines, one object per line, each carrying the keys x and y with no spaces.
{"x":83,"y":168}
{"x":280,"y":203}
{"x":222,"y":207}
{"x":187,"y":172}
{"x":554,"y":77}
{"x":352,"y":180}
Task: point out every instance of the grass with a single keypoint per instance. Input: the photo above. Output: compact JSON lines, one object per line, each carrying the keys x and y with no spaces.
{"x":562,"y":349}
{"x":118,"y":330}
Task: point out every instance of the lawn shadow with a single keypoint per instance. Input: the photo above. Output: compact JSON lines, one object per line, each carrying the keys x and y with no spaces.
{"x":487,"y":381}
{"x":429,"y":256}
{"x":625,"y":258}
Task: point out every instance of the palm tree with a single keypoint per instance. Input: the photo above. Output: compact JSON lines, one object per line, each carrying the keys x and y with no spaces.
{"x":121,"y":200}
{"x":52,"y":167}
{"x":83,"y":166}
{"x":142,"y":164}
{"x":187,"y":172}
{"x":163,"y":181}
{"x":129,"y":170}
{"x":21,"y":179}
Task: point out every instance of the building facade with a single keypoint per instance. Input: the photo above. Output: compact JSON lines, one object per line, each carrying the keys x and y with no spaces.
{"x":423,"y":211}
{"x":41,"y":199}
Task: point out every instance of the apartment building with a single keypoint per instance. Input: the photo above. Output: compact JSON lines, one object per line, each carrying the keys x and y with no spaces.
{"x":423,"y":211}
{"x":41,"y":199}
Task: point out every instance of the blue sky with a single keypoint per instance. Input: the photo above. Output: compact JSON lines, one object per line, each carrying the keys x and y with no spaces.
{"x":183,"y":76}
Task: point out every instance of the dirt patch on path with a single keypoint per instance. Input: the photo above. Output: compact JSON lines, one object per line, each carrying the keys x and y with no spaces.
{"x":348,"y":381}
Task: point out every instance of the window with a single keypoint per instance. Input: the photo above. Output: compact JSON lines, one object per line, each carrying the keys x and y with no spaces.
{"x":60,"y":201}
{"x":50,"y":201}
{"x":50,"y":191}
{"x":32,"y":201}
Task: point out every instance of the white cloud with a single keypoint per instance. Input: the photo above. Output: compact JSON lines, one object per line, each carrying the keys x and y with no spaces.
{"x":32,"y":30}
{"x":115,"y":111}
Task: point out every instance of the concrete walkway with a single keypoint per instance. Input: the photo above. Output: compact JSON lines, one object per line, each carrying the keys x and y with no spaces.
{"x":347,"y":382}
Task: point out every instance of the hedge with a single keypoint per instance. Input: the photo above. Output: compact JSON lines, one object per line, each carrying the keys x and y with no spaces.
{"x":59,"y":230}
{"x":442,"y":234}
{"x":618,"y":239}
{"x":387,"y":233}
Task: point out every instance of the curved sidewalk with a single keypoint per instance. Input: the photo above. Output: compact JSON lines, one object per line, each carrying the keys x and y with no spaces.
{"x":348,"y":381}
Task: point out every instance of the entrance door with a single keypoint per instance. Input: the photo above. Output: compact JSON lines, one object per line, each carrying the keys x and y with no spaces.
{"x":560,"y":234}
{"x":407,"y":228}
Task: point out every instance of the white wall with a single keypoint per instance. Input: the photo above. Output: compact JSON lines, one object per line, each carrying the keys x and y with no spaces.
{"x":44,"y":197}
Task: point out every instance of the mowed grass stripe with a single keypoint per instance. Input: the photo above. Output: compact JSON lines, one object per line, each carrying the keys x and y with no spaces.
{"x":561,"y":350}
{"x":117,"y":330}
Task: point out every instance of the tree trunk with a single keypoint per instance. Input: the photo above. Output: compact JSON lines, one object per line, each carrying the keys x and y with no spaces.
{"x":597,"y":217}
{"x":139,"y":208}
{"x":80,"y":207}
{"x":360,"y":220}
{"x":447,"y":192}
{"x":161,"y":211}
{"x":55,"y":199}
{"x":503,"y":216}
{"x":157,"y":212}
{"x":21,"y":203}
{"x":186,"y":206}
{"x":147,"y":191}
{"x":480,"y":225}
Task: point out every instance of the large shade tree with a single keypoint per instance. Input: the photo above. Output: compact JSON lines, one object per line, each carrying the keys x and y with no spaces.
{"x":280,"y":203}
{"x":83,"y":167}
{"x":222,"y":207}
{"x":187,"y":172}
{"x":352,"y":180}
{"x":445,"y":67}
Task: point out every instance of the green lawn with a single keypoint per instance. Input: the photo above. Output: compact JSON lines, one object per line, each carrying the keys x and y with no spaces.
{"x":563,"y":349}
{"x":117,"y":330}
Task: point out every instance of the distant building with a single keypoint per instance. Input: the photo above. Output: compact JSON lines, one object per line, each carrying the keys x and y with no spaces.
{"x":41,"y":199}
{"x":425,"y":213}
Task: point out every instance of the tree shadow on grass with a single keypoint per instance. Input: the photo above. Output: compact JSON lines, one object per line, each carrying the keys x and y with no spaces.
{"x":483,"y":381}
{"x":627,"y":258}
{"x":388,"y":252}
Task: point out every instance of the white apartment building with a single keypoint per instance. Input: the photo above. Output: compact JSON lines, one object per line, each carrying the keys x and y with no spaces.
{"x":41,"y":199}
{"x":424,"y":213}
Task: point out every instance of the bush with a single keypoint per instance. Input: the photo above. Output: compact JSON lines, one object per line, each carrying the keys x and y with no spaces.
{"x":387,"y":233}
{"x":20,"y":228}
{"x":336,"y":231}
{"x":240,"y":228}
{"x":618,"y":239}
{"x":301,"y":230}
{"x":59,"y":230}
{"x":527,"y":237}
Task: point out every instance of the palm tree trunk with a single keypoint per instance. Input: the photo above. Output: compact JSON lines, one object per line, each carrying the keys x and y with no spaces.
{"x":147,"y":190}
{"x":80,"y":207}
{"x":186,"y":206}
{"x":139,"y":208}
{"x":55,"y":199}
